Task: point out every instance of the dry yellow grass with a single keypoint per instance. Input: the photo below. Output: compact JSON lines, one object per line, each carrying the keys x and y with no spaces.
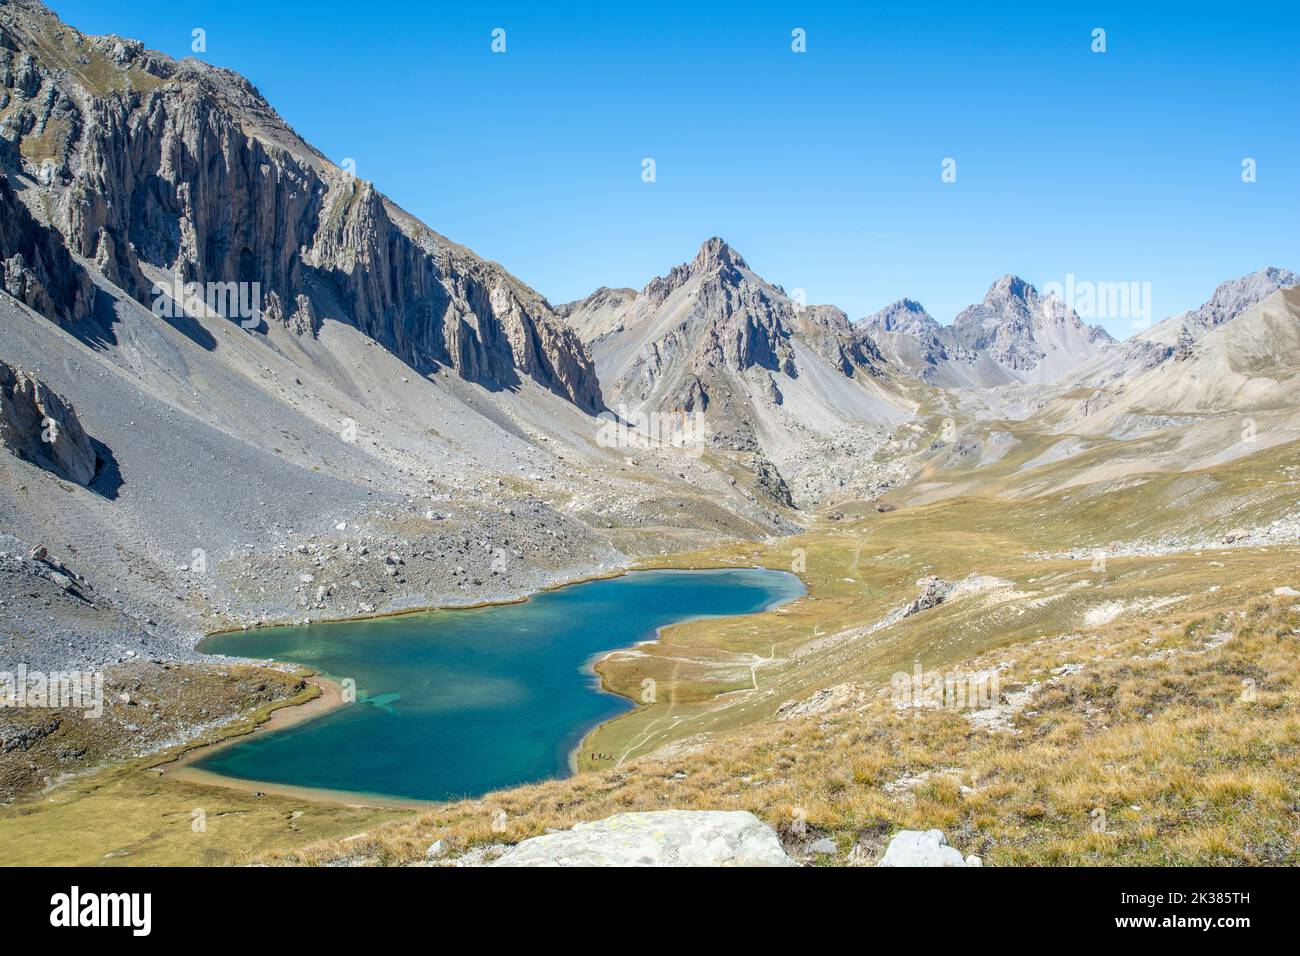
{"x":1177,"y":742}
{"x":121,"y":811}
{"x":719,"y":675}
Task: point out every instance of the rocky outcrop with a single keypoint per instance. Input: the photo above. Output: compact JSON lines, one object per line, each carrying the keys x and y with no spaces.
{"x":826,"y":699}
{"x":1232,"y":298}
{"x":42,"y":428}
{"x":928,"y":848}
{"x":302,"y":321}
{"x":934,"y":591}
{"x":35,"y":267}
{"x":658,"y":838}
{"x":186,"y":167}
{"x":768,"y":480}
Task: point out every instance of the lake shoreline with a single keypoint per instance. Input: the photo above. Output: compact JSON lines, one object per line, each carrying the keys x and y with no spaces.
{"x":330,"y":698}
{"x":477,"y":605}
{"x":427,"y":609}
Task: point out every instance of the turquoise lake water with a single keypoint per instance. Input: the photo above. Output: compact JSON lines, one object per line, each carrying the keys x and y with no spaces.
{"x":457,"y":703}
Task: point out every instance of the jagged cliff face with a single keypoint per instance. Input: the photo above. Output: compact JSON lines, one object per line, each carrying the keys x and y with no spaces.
{"x":182,"y":166}
{"x":35,"y":267}
{"x":828,"y":331}
{"x":1013,"y":335}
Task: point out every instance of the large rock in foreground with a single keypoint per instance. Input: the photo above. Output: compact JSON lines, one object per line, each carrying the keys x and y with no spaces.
{"x":660,"y":838}
{"x":929,"y":848}
{"x":38,"y":425}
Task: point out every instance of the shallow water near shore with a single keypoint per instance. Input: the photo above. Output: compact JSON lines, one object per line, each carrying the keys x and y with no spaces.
{"x":455,"y":703}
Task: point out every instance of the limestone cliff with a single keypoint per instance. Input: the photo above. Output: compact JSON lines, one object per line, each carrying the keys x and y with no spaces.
{"x":135,"y":158}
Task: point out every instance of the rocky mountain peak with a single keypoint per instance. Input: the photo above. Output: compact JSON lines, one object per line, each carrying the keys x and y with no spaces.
{"x":716,"y":255}
{"x":1006,"y":311}
{"x":905,"y":315}
{"x":1011,"y":288}
{"x":713,"y":336}
{"x":715,"y":262}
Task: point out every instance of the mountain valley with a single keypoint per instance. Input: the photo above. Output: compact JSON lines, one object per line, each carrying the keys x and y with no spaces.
{"x":241,"y":387}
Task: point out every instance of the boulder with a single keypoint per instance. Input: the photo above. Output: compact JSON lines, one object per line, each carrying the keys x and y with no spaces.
{"x":934,"y":591}
{"x":658,"y":838}
{"x":828,"y":698}
{"x":929,"y":848}
{"x":38,"y":425}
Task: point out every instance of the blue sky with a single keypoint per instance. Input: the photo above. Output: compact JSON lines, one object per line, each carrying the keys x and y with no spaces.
{"x":821,"y":168}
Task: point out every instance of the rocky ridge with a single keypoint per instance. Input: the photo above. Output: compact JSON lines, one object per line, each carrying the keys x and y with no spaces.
{"x":185,"y":167}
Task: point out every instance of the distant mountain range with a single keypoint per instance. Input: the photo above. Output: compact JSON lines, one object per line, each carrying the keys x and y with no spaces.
{"x":1014,"y":335}
{"x":714,"y":335}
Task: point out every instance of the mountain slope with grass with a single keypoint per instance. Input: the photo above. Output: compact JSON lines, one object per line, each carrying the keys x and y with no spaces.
{"x":1114,"y":620}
